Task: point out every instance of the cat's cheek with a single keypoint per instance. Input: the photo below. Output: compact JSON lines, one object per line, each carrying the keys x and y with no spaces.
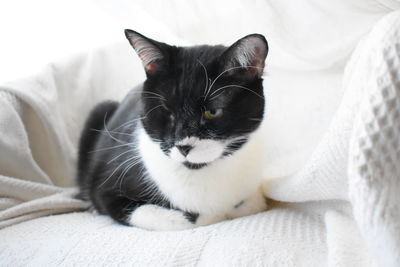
{"x":206,"y":151}
{"x":153,"y":217}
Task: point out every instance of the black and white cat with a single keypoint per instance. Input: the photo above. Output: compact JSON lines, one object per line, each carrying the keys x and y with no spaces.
{"x":183,"y":149}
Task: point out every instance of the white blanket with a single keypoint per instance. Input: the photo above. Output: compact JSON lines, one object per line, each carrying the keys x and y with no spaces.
{"x":357,"y":162}
{"x":40,"y":123}
{"x":359,"y":157}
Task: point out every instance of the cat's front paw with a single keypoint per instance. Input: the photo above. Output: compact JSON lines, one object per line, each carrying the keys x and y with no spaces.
{"x":153,"y":217}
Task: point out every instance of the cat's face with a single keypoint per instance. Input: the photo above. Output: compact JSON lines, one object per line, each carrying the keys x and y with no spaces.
{"x":201,"y":103}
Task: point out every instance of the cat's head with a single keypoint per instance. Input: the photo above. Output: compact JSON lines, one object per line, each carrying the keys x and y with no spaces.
{"x":201,"y":103}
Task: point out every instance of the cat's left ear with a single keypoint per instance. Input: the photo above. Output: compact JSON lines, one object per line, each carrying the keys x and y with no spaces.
{"x":148,"y":50}
{"x":247,"y":55}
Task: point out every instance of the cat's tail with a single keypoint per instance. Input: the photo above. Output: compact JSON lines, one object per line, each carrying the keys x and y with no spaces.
{"x":92,"y":129}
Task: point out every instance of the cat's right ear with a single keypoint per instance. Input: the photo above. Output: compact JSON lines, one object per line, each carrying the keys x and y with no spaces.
{"x":148,"y":50}
{"x":247,"y":55}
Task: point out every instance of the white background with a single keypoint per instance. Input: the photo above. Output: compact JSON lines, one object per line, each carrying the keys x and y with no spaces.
{"x":33,"y":33}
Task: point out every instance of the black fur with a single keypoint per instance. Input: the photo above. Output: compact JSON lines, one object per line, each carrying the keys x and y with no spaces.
{"x":192,"y":217}
{"x":169,"y":106}
{"x":99,"y":116}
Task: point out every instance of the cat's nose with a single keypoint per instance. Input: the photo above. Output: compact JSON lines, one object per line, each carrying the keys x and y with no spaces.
{"x":184,"y":149}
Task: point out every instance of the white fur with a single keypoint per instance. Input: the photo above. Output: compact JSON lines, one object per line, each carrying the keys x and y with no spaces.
{"x":176,"y":155}
{"x":251,"y":52}
{"x":203,"y":151}
{"x":153,"y":217}
{"x":245,"y":51}
{"x":212,"y":191}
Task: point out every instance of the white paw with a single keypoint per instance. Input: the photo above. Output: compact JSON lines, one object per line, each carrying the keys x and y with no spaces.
{"x":153,"y":217}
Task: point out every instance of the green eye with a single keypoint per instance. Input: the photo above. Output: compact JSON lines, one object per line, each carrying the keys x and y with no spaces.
{"x":213,"y":113}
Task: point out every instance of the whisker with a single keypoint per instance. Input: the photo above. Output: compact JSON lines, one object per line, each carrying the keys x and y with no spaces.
{"x":112,"y":147}
{"x":233,"y":85}
{"x":225,"y":71}
{"x":153,"y":97}
{"x":140,"y":118}
{"x":108,"y":132}
{"x":152,"y":93}
{"x":205,"y":72}
{"x":129,"y":159}
{"x":124,"y":172}
{"x":146,"y":92}
{"x":123,"y":153}
{"x":129,"y":122}
{"x":255,"y":119}
{"x":103,"y":131}
{"x":151,"y":110}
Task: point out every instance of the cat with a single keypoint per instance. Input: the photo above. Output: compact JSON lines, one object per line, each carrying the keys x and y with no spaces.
{"x":184,"y":148}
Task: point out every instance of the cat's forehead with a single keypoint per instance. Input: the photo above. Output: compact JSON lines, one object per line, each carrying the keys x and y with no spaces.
{"x":192,"y":72}
{"x":192,"y":78}
{"x":204,"y":53}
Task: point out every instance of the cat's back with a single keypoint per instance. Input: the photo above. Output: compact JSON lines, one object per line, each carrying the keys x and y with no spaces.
{"x":107,"y":132}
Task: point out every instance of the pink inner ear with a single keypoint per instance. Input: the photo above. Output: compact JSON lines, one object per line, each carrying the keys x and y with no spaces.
{"x":151,"y":67}
{"x":258,"y":68}
{"x":250,"y":53}
{"x":258,"y":61}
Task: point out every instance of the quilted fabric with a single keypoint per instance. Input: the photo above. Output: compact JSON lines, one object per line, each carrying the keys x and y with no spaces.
{"x":359,"y":157}
{"x":374,"y":168}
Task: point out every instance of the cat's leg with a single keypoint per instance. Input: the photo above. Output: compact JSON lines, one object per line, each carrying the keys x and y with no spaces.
{"x":153,"y":217}
{"x":111,"y":203}
{"x":138,"y":214}
{"x":150,"y":216}
{"x":254,"y":204}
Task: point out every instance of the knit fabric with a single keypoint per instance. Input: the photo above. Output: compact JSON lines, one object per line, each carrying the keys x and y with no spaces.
{"x":374,"y":163}
{"x":284,"y":236}
{"x":359,"y":157}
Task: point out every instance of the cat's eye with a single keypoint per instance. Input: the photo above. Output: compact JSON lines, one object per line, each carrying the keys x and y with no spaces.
{"x":213,"y":113}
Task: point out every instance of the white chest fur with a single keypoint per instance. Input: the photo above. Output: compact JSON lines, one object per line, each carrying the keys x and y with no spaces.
{"x":214,"y":189}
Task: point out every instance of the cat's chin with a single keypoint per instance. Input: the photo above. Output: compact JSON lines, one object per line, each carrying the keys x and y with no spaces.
{"x":194,"y":166}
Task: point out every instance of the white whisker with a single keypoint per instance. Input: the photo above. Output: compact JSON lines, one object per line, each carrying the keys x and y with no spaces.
{"x":112,"y":147}
{"x":233,"y":85}
{"x":225,"y":71}
{"x":123,"y":153}
{"x":153,"y":97}
{"x":103,"y":131}
{"x":124,"y":172}
{"x":108,"y":132}
{"x":129,"y":122}
{"x":152,"y":93}
{"x":205,"y":72}
{"x":129,"y":159}
{"x":255,"y":119}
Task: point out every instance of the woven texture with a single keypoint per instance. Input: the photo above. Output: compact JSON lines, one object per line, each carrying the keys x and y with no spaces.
{"x":284,"y":236}
{"x":358,"y":160}
{"x":374,"y":168}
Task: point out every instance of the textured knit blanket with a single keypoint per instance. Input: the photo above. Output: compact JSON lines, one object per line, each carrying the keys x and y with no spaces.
{"x":357,"y":162}
{"x":359,"y":158}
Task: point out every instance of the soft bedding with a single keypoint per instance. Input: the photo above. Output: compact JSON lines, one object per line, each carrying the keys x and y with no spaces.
{"x":337,"y":181}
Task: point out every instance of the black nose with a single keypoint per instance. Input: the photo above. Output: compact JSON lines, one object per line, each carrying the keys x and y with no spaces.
{"x":184,"y":149}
